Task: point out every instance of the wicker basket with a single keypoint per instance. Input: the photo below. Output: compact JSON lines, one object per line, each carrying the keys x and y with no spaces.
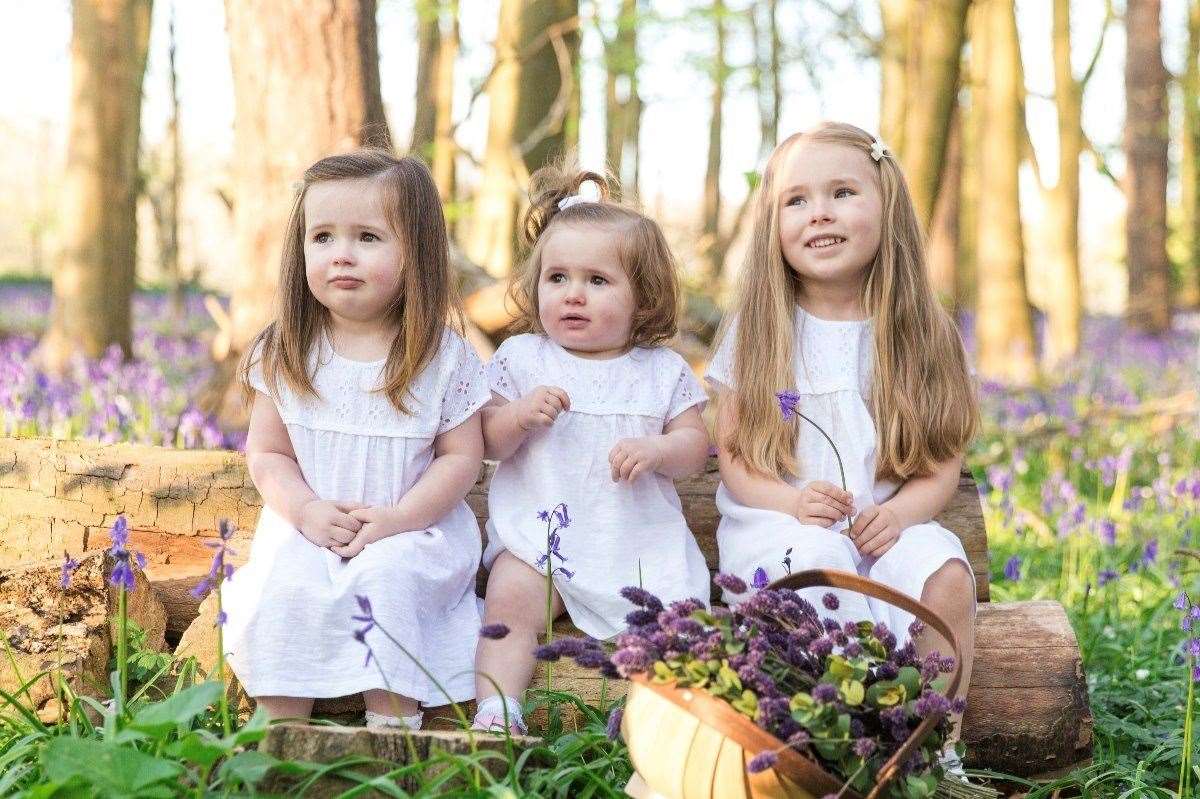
{"x":686,"y":744}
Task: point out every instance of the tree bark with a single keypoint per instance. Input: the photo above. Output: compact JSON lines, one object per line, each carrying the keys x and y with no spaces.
{"x":529,"y":96}
{"x":1190,"y":155}
{"x":93,"y":285}
{"x":621,"y":99}
{"x":713,"y":246}
{"x":1148,"y":308}
{"x":306,"y":85}
{"x":921,"y":53}
{"x":1003,"y":322}
{"x":944,"y":237}
{"x":433,"y":122}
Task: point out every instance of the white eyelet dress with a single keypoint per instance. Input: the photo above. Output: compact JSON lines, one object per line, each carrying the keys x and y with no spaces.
{"x":619,"y":534}
{"x":289,"y":628}
{"x":833,"y":377}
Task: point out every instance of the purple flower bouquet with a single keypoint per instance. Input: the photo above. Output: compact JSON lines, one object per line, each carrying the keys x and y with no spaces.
{"x":833,"y":708}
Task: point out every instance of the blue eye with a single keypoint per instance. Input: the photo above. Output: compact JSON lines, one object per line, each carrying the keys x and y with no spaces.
{"x":843,"y":192}
{"x":797,"y":201}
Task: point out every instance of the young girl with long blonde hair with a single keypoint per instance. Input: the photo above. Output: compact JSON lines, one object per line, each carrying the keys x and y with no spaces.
{"x":591,"y":418}
{"x":834,"y":311}
{"x":364,"y":440}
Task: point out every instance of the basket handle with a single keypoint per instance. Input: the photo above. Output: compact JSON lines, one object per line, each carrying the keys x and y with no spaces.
{"x":833,"y":578}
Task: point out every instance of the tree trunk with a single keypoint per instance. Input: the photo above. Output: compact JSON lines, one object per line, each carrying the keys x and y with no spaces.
{"x":1149,"y":308}
{"x":529,"y":96}
{"x":1003,"y":323}
{"x":306,"y":85}
{"x":922,"y":51}
{"x":1065,"y":308}
{"x":433,"y":121}
{"x":1190,"y":155}
{"x":93,"y":285}
{"x":944,"y":229}
{"x":622,"y":103}
{"x":170,"y":243}
{"x":713,"y":247}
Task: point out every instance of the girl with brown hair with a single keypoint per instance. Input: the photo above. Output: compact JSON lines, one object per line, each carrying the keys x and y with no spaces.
{"x":591,"y":419}
{"x":836,"y":322}
{"x":364,"y":439}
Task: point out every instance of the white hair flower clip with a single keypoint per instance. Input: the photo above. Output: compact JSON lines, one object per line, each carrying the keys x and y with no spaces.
{"x":878,"y":149}
{"x":568,"y":201}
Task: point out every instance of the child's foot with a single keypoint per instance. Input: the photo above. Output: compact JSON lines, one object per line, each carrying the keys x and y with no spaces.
{"x":494,"y":722}
{"x":382,"y":721}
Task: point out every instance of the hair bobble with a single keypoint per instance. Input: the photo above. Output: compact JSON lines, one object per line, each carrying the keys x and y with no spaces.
{"x":879,"y":149}
{"x":568,"y":201}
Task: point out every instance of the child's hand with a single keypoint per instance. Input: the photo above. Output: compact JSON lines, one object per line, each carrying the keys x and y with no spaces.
{"x":633,"y":457}
{"x":326,"y":522}
{"x":377,"y":523}
{"x":823,"y":504}
{"x":875,"y":530}
{"x":540,"y":407}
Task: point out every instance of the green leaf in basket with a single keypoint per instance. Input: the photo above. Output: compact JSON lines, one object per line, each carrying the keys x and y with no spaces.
{"x":852,"y":692}
{"x":837,"y":669}
{"x":910,"y":678}
{"x":662,"y":672}
{"x":746,"y":704}
{"x":727,"y":678}
{"x":888,"y":693}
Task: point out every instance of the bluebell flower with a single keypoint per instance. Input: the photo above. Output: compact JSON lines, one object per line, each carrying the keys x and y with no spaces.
{"x":760,"y":578}
{"x":1012,"y":568}
{"x":1181,"y":602}
{"x":1150,"y":553}
{"x":788,"y":400}
{"x":1106,"y":577}
{"x":69,"y":565}
{"x":122,"y":573}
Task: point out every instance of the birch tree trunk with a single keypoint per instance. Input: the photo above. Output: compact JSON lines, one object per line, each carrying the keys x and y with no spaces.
{"x":1003,"y":322}
{"x":529,"y":98}
{"x":921,"y":53}
{"x":1149,"y":308}
{"x":93,"y":284}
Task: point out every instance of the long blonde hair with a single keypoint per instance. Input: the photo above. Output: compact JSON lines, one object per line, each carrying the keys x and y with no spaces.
{"x":641,"y":248}
{"x":423,"y":306}
{"x":922,"y":397}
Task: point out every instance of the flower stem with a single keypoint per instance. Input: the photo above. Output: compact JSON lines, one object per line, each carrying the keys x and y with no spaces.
{"x":122,"y":649}
{"x":836,"y":454}
{"x":1185,"y":755}
{"x":223,"y":703}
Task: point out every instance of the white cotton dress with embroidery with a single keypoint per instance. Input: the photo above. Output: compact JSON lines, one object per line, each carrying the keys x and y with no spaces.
{"x":289,"y":628}
{"x":620,"y":534}
{"x":833,"y":372}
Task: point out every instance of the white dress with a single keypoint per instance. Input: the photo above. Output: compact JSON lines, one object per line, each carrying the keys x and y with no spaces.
{"x":619,"y":534}
{"x":289,"y":608}
{"x":833,"y":377}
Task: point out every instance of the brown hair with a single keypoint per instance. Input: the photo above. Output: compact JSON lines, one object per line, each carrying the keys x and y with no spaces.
{"x":641,"y":248}
{"x":413,"y":210}
{"x":922,"y":398}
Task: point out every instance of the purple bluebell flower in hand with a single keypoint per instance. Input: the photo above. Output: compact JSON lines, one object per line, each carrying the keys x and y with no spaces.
{"x":788,"y":400}
{"x":760,"y":578}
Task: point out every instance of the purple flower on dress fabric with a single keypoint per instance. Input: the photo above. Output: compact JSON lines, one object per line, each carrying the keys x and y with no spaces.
{"x":788,"y":400}
{"x":762,"y":762}
{"x":69,"y":565}
{"x":613,"y":728}
{"x":760,"y":578}
{"x":731,"y":583}
{"x":1012,"y":568}
{"x":493,"y":632}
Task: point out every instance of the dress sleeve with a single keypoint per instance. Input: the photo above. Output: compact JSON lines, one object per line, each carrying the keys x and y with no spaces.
{"x":467,"y":389}
{"x":688,"y":392}
{"x":720,"y":369}
{"x":502,"y":371}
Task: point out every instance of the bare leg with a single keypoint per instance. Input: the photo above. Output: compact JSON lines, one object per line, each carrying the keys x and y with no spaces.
{"x":516,"y":597}
{"x":950,"y":592}
{"x":285,"y":707}
{"x":378,"y":700}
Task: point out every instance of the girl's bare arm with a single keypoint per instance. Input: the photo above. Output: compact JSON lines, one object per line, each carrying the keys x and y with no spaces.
{"x":272,"y":464}
{"x":684,"y":444}
{"x":922,"y":498}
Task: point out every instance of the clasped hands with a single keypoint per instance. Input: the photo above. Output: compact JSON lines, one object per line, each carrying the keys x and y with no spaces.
{"x":629,"y":459}
{"x":874,"y":530}
{"x":345,"y":528}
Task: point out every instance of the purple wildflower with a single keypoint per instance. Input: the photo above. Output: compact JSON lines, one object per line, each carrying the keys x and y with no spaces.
{"x":787,"y":561}
{"x":366,"y":616}
{"x":760,"y":578}
{"x":1108,"y":531}
{"x":592,"y":659}
{"x":825,"y":692}
{"x":613,"y":728}
{"x":218,"y":570}
{"x":69,"y":565}
{"x":1012,"y":568}
{"x":642,"y":598}
{"x":1181,"y":602}
{"x":788,"y":400}
{"x":762,"y":762}
{"x":546,"y":653}
{"x":1150,"y":553}
{"x":640,"y":617}
{"x":1105,"y":577}
{"x":222,"y":617}
{"x":731,"y":583}
{"x":493,"y":632}
{"x":361,"y":637}
{"x":830,"y":601}
{"x":122,"y":573}
{"x":1193,"y":647}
